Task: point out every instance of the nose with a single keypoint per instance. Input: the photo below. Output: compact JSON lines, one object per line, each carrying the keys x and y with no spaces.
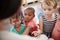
{"x":26,"y":16}
{"x":46,"y":11}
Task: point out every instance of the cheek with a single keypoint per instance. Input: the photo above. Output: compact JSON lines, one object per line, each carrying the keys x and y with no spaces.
{"x":13,"y":23}
{"x":53,"y":11}
{"x":45,"y":12}
{"x":25,"y":17}
{"x":48,"y":12}
{"x":30,"y":17}
{"x":18,"y":23}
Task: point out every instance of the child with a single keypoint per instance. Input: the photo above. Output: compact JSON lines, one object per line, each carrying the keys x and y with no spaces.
{"x":56,"y":31}
{"x":17,"y":27}
{"x":47,"y":21}
{"x":29,"y":22}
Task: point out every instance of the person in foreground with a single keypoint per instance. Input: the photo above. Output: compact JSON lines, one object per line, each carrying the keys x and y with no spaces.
{"x":7,"y":9}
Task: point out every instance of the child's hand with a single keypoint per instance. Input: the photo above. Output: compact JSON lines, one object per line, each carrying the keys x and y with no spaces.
{"x":36,"y":33}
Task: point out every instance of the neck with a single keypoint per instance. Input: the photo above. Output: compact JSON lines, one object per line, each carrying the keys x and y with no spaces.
{"x":18,"y":28}
{"x":48,"y":16}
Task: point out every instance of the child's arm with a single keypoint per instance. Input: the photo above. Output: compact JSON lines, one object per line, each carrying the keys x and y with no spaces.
{"x":30,"y":25}
{"x":26,"y":32}
{"x":37,"y":33}
{"x":40,"y":29}
{"x":41,"y":24}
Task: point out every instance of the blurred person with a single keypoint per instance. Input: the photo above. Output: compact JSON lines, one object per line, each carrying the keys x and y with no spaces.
{"x":47,"y":21}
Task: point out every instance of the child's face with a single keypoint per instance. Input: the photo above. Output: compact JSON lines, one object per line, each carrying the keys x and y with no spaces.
{"x":47,"y":9}
{"x":16,"y":22}
{"x":28,"y":15}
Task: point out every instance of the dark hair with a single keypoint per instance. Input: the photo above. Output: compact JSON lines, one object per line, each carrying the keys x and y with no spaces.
{"x":8,"y":8}
{"x":59,"y":10}
{"x":30,"y":8}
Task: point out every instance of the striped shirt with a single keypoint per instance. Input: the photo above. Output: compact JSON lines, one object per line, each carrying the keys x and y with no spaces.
{"x":48,"y":25}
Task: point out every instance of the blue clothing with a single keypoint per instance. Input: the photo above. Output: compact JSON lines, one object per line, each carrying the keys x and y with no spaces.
{"x":13,"y":29}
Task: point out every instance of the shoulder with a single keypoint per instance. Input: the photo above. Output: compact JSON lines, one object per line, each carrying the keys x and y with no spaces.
{"x":23,"y":26}
{"x":12,"y":28}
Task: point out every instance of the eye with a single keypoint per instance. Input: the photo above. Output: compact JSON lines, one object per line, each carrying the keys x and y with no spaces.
{"x":44,"y":9}
{"x":29,"y":15}
{"x":49,"y":9}
{"x":25,"y":14}
{"x":17,"y":20}
{"x":14,"y":21}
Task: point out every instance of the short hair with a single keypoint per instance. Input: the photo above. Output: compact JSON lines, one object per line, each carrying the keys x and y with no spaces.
{"x":59,"y":10}
{"x":51,"y":3}
{"x":16,"y":16}
{"x":8,"y":8}
{"x":30,"y":8}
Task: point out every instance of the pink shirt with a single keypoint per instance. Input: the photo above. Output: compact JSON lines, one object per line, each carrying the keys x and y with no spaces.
{"x":56,"y":31}
{"x":35,"y":28}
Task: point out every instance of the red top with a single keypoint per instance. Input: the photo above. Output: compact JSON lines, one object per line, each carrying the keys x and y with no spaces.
{"x":56,"y":31}
{"x":35,"y":28}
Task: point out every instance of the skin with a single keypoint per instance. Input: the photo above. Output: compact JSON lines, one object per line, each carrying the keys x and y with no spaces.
{"x":28,"y":15}
{"x":16,"y":23}
{"x":48,"y":12}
